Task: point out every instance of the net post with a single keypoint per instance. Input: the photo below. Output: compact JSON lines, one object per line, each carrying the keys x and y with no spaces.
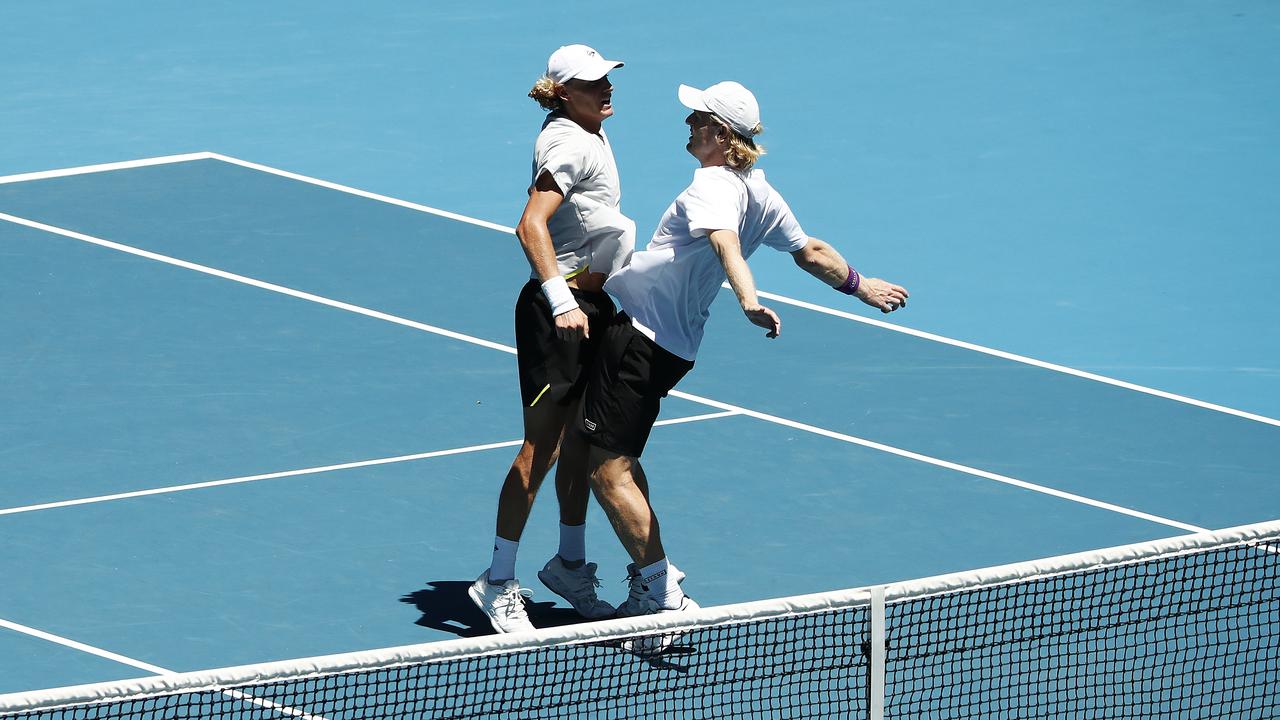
{"x":875,"y":689}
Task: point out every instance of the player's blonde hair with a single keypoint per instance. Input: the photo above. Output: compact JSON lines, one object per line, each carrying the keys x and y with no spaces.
{"x":547,"y":93}
{"x":743,"y":152}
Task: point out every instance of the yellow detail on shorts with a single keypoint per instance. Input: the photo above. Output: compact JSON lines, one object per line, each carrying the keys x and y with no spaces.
{"x":575,"y":274}
{"x":544,"y":392}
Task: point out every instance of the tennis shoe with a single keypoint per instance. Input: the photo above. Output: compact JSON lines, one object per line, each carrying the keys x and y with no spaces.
{"x":638,"y":592}
{"x":577,"y":586}
{"x":659,"y":642}
{"x":502,"y":604}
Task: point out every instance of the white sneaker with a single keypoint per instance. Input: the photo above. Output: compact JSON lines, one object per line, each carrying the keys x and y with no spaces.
{"x":638,"y":592}
{"x":577,"y":586}
{"x":502,"y":604}
{"x":649,"y":645}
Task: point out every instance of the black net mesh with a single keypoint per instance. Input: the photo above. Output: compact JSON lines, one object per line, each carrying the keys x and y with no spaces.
{"x":1184,"y":636}
{"x":808,"y":666}
{"x":1190,"y":636}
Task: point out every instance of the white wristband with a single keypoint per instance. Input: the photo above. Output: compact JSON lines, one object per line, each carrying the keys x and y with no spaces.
{"x":558,"y":294}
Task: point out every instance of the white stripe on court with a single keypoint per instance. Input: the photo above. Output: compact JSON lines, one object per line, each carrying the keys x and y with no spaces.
{"x":699,"y":418}
{"x":939,"y":463}
{"x":772,"y":296}
{"x":1018,"y":358}
{"x":105,"y":167}
{"x":314,"y":470}
{"x":363,"y":193}
{"x":58,"y":639}
{"x":255,"y":283}
{"x":694,"y":398}
{"x":256,"y":478}
{"x":154,"y":669}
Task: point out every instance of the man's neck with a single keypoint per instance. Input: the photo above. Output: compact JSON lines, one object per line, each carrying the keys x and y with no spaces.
{"x":588,"y":125}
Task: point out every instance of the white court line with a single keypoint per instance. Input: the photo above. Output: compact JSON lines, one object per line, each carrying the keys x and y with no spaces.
{"x":939,"y":463}
{"x":314,"y":470}
{"x":790,"y":301}
{"x":74,"y":645}
{"x":155,"y":669}
{"x":694,"y":398}
{"x":255,"y":478}
{"x":697,"y":418}
{"x":255,"y":283}
{"x":363,"y":193}
{"x":105,"y":167}
{"x":772,"y":296}
{"x":1018,"y":358}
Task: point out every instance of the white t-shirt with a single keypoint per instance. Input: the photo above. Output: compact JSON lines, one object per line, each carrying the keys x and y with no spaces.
{"x":668,"y":287}
{"x":588,"y":229}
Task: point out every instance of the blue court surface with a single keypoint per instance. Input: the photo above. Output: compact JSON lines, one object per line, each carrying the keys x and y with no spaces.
{"x":254,"y":418}
{"x":259,"y":393}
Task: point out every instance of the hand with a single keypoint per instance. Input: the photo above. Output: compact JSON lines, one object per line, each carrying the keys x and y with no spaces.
{"x":880,"y":294}
{"x":572,"y":325}
{"x":762,"y":316}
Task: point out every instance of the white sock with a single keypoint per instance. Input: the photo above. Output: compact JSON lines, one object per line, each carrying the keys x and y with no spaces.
{"x":573,"y":543}
{"x":503,"y":567}
{"x":661,"y":584}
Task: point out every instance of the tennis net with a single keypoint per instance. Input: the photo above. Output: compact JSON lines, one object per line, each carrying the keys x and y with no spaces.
{"x":1187,"y":627}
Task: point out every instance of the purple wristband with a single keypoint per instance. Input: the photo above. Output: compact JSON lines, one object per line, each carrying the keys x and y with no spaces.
{"x":850,"y":286}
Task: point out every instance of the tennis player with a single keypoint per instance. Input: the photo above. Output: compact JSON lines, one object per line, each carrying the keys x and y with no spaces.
{"x":665,"y":294}
{"x":574,"y":236}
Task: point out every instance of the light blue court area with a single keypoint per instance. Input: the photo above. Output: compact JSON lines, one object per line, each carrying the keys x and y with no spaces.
{"x":1109,"y":443}
{"x":129,"y":373}
{"x":33,"y":662}
{"x":250,"y":418}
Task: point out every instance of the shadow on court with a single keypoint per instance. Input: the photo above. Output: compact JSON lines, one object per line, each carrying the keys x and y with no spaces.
{"x":445,"y":606}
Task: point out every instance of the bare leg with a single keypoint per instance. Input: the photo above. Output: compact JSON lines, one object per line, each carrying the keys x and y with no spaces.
{"x":641,"y":480}
{"x":573,"y":484}
{"x":543,"y":426}
{"x":617,"y":482}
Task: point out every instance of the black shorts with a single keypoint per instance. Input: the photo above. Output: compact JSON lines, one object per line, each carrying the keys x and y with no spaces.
{"x":554,"y":370}
{"x":629,"y":380}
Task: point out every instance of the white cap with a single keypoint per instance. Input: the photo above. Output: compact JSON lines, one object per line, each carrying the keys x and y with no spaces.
{"x":578,"y":62}
{"x":729,"y":101}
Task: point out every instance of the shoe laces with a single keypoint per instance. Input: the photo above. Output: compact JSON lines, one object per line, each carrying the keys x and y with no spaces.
{"x":582,"y":580}
{"x":636,"y":591}
{"x":589,"y":584}
{"x":511,"y":602}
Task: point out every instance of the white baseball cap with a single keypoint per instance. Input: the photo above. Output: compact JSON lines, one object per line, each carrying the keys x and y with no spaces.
{"x":578,"y":62}
{"x":729,"y":101}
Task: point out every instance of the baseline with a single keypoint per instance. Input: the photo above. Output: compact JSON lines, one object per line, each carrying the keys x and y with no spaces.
{"x":105,"y":167}
{"x":206,"y":155}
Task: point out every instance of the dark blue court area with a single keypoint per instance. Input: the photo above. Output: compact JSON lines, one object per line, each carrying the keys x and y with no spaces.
{"x":248,"y":417}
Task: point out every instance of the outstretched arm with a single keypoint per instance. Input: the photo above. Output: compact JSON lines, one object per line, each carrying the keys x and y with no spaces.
{"x":729,"y":250}
{"x":822,"y":261}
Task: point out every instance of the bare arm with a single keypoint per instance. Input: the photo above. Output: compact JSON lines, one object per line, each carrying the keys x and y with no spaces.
{"x":535,"y":239}
{"x":729,"y":250}
{"x":825,"y":263}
